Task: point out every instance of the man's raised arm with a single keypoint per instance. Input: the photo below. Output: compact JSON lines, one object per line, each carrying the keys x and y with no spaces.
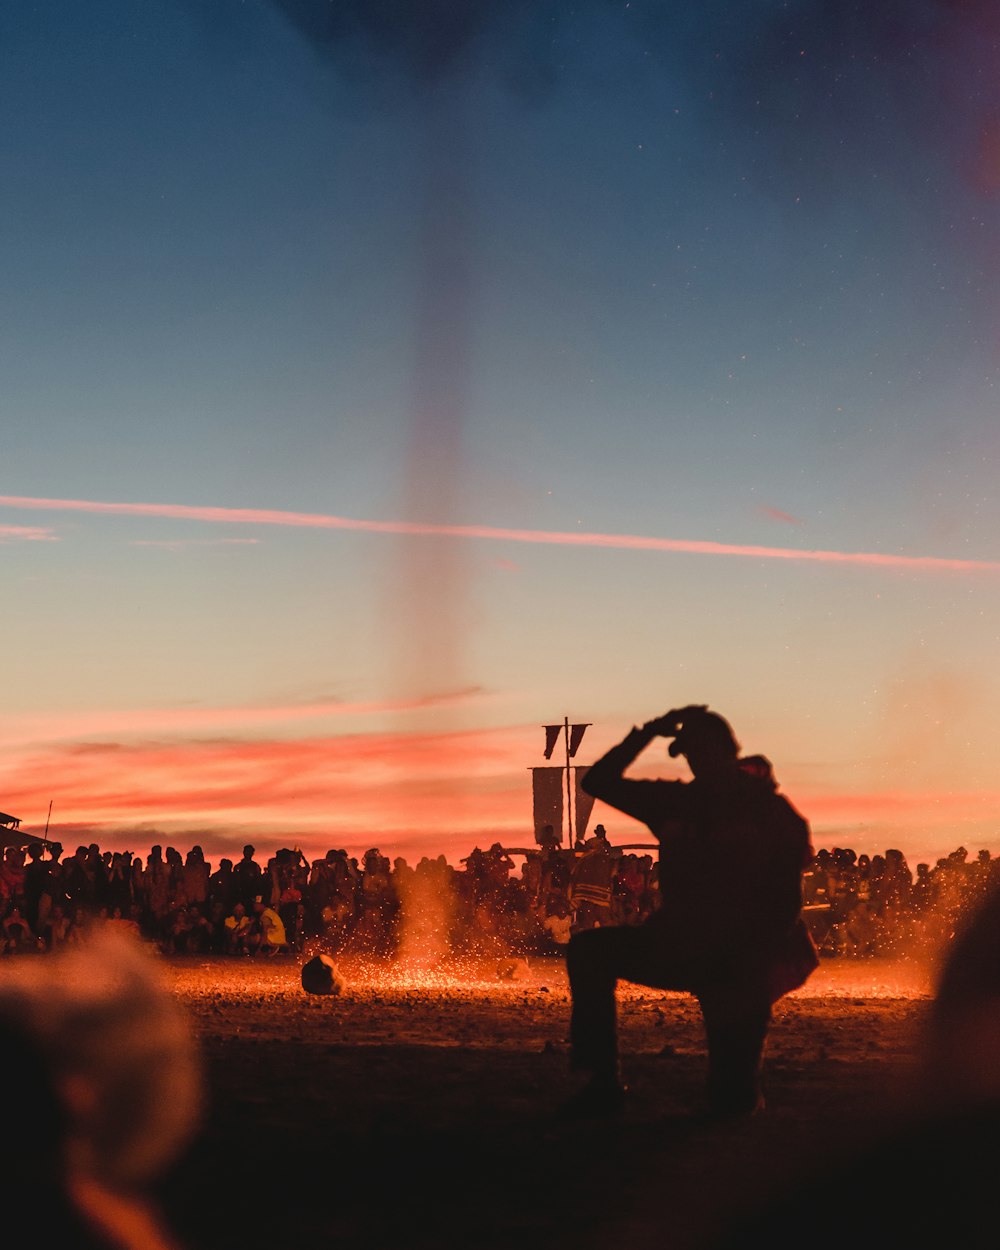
{"x":605,"y":779}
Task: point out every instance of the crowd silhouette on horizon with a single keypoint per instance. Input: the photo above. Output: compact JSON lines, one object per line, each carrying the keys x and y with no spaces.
{"x":855,"y":905}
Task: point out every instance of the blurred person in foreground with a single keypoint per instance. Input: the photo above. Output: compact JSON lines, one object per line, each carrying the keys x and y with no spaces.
{"x":934,"y":1137}
{"x":107,"y":1090}
{"x":729,"y":928}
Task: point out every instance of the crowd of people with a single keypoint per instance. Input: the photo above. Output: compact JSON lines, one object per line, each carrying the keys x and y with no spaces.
{"x":855,"y":905}
{"x":859,"y":905}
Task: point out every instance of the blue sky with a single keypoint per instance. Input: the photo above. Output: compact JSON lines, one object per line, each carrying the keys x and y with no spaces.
{"x":621,"y":268}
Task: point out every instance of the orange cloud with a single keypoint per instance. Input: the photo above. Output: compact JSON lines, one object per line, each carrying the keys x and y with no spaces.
{"x":931,"y":806}
{"x":353,"y":787}
{"x":631,"y":542}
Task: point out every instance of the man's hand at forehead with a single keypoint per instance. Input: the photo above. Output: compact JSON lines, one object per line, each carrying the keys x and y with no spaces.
{"x":669,"y":724}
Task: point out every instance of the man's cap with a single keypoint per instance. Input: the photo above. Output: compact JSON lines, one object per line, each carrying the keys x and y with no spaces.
{"x":698,"y":727}
{"x":758,"y":766}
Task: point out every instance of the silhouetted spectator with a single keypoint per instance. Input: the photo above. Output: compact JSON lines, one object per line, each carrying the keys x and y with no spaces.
{"x":195,"y":876}
{"x":736,"y":941}
{"x":156,"y":881}
{"x":222,"y":886}
{"x":37,"y":887}
{"x":247,"y":875}
{"x":590,"y":886}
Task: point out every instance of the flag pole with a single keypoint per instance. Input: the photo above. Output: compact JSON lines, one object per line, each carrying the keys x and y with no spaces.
{"x":569,"y":790}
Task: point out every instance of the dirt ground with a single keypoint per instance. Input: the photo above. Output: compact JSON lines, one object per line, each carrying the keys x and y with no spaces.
{"x":419,"y":1108}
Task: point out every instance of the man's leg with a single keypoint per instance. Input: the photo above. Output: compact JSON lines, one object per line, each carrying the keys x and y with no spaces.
{"x":596,"y":960}
{"x":736,"y":1028}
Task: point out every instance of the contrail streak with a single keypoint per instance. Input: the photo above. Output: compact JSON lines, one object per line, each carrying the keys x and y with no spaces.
{"x":559,"y":538}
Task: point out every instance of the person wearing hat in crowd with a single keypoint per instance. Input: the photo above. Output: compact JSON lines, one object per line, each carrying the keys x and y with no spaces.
{"x":729,"y":928}
{"x":590,"y":885}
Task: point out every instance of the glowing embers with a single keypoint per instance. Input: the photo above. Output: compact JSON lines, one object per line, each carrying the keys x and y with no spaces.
{"x":460,"y":976}
{"x":274,"y":984}
{"x":870,"y":978}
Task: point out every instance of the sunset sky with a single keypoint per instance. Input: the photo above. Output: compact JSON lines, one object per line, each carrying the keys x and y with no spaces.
{"x":382,"y":381}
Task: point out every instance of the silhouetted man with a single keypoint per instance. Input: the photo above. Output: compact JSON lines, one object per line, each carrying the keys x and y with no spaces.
{"x":247,"y":878}
{"x":728,"y":930}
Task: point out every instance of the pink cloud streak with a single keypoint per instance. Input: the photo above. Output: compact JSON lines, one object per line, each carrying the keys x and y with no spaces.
{"x":776,"y":514}
{"x":26,"y":534}
{"x":171,"y":720}
{"x":180,"y":544}
{"x":630,"y":542}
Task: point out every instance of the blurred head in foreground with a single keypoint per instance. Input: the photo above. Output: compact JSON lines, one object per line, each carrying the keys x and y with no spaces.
{"x":110,"y":1061}
{"x":963,"y":1045}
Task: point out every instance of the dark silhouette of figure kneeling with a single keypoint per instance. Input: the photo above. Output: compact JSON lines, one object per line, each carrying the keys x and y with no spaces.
{"x":729,"y":928}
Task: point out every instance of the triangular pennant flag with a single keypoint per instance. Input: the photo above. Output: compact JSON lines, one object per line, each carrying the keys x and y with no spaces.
{"x":583,"y":805}
{"x":576,"y":733}
{"x":551,"y":738}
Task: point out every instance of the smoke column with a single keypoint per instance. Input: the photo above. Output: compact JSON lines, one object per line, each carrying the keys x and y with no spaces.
{"x":427,"y":588}
{"x":428,"y":582}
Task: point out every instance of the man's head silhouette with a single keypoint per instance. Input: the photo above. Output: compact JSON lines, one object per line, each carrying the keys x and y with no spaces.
{"x":704,"y":738}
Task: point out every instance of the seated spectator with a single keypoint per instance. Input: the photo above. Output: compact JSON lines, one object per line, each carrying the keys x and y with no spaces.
{"x":199,"y":933}
{"x":184,"y":932}
{"x":57,"y":928}
{"x":17,"y":935}
{"x":216,"y":929}
{"x":127,"y":925}
{"x":238,"y":931}
{"x":558,"y":924}
{"x":271,"y":930}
